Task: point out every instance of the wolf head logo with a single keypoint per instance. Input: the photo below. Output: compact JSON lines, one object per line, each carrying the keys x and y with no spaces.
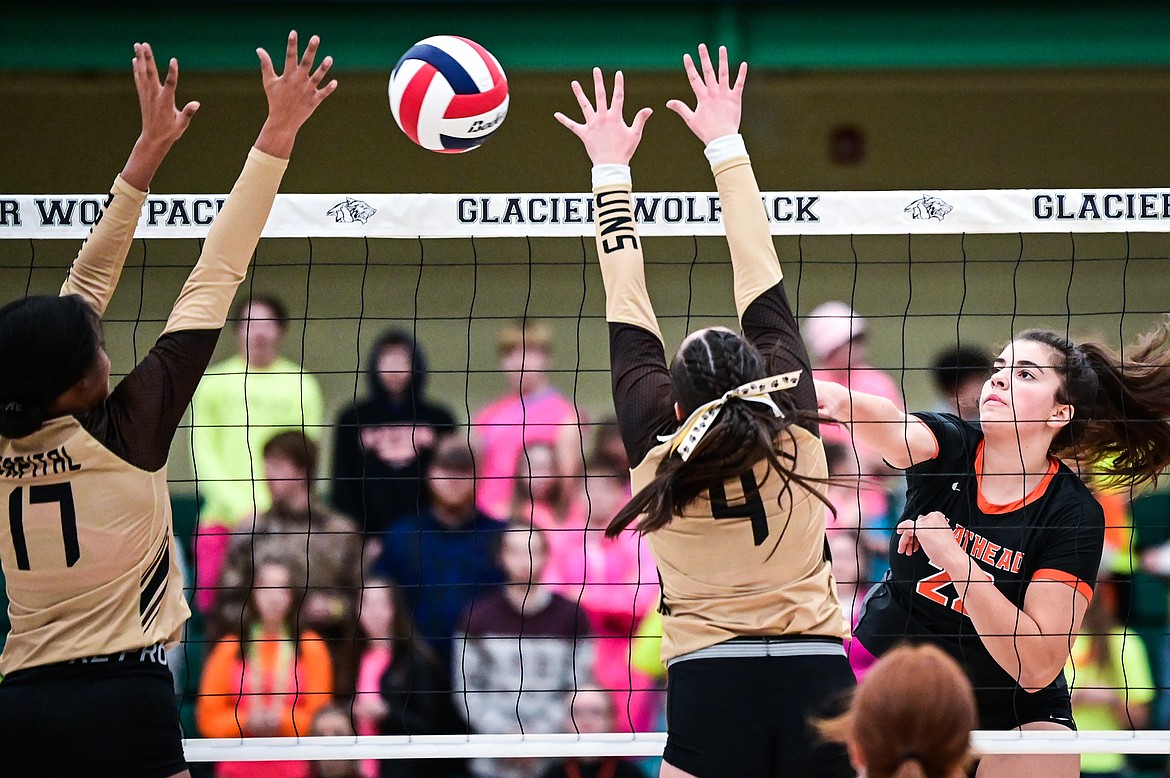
{"x":927,"y":207}
{"x":351,"y":210}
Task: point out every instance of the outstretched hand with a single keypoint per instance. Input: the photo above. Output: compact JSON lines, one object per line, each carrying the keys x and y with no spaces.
{"x":718,"y":102}
{"x":607,"y":137}
{"x":162,"y":121}
{"x":293,"y":95}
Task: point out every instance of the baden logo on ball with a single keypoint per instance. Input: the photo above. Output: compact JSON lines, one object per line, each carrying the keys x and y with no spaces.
{"x":448,"y":94}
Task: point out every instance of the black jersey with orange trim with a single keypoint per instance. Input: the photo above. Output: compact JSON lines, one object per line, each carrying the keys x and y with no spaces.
{"x":1055,"y":533}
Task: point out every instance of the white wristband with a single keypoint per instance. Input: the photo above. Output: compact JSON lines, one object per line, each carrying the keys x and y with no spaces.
{"x":611,"y":174}
{"x":725,"y":148}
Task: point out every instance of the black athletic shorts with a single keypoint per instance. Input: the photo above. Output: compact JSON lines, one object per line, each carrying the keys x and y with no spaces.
{"x":1008,"y":708}
{"x":107,"y":716}
{"x":740,"y":716}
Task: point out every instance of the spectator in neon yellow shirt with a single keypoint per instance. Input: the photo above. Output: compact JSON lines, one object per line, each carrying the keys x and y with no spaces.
{"x":241,"y":403}
{"x":1109,"y":674}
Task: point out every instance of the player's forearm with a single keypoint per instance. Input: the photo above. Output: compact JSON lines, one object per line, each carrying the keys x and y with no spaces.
{"x":1012,"y":637}
{"x":207,"y":296}
{"x":95,"y":272}
{"x":619,"y":250}
{"x":145,"y":159}
{"x":753,"y":255}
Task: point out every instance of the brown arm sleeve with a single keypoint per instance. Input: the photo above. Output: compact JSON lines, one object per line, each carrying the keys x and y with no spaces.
{"x":764,"y":311}
{"x":95,"y":272}
{"x":770,"y":326}
{"x":139,"y":420}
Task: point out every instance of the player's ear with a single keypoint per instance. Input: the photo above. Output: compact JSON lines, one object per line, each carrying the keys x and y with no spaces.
{"x":1061,"y":415}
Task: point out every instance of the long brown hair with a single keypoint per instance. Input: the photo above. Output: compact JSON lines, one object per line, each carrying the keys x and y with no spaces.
{"x":744,"y":433}
{"x":1120,"y":405}
{"x":900,"y":732}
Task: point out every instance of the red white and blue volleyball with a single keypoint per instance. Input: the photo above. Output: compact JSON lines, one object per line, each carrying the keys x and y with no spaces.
{"x":448,"y":94}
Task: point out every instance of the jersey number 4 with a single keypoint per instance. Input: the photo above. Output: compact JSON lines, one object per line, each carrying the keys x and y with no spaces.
{"x":752,"y":506}
{"x":62,"y":494}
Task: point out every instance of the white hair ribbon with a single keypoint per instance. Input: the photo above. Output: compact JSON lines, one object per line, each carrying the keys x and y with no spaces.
{"x":686,"y":439}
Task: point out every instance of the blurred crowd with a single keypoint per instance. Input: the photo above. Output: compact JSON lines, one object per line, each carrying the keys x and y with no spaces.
{"x":448,"y":579}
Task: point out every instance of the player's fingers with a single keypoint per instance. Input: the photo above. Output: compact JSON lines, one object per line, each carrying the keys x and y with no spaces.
{"x":574,"y":127}
{"x":172,"y":79}
{"x":310,"y":52}
{"x":723,"y":74}
{"x":189,"y":109}
{"x":740,"y":79}
{"x":326,"y":90}
{"x":151,"y":68}
{"x":138,"y":66}
{"x":266,"y":67}
{"x":582,"y":100}
{"x":599,"y":89}
{"x":682,"y":109}
{"x":290,"y":52}
{"x":319,"y":74}
{"x":705,"y":61}
{"x":640,"y":120}
{"x":692,"y":74}
{"x":619,"y":91}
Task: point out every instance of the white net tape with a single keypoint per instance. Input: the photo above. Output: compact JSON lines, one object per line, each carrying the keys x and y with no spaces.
{"x":658,"y":213}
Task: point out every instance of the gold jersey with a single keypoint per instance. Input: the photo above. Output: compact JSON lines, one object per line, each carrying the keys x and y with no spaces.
{"x":729,"y":566}
{"x":88,"y":551}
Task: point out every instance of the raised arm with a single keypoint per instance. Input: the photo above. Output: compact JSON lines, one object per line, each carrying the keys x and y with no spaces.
{"x":95,"y":272}
{"x":901,"y":439}
{"x":150,"y":402}
{"x":638,"y":371}
{"x":293,"y":96}
{"x":760,"y":299}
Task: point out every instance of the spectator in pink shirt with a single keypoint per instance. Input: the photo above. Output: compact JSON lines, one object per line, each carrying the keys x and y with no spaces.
{"x":616,"y":582}
{"x":838,"y":343}
{"x":532,"y":410}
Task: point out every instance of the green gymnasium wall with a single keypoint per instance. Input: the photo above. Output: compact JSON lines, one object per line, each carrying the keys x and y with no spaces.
{"x":930,"y":120}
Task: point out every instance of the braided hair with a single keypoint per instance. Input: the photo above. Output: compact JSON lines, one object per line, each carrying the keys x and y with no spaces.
{"x":709,"y":364}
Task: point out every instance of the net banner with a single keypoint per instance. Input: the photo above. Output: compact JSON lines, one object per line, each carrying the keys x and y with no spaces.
{"x":658,"y":213}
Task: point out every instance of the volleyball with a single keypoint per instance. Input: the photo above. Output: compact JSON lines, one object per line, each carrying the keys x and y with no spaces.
{"x":448,"y":94}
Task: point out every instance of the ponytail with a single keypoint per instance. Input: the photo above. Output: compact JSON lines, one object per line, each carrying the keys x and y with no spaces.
{"x":1121,"y":406}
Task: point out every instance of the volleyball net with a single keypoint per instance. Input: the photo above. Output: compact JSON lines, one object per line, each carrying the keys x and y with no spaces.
{"x":927,"y":272}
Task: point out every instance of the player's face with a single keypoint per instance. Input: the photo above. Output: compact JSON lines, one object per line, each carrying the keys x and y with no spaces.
{"x":1023,"y":387}
{"x":395,"y":369}
{"x":272,"y":593}
{"x":522,"y":556}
